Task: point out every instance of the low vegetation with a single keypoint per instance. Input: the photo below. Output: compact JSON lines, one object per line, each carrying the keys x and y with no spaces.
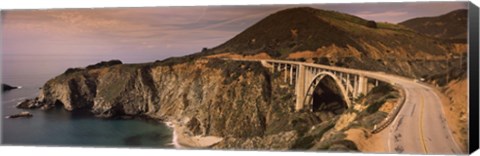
{"x":232,"y":70}
{"x":452,"y":25}
{"x":104,"y":64}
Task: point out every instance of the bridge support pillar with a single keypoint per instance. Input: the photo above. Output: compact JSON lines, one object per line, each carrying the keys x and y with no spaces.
{"x":291,"y":74}
{"x":273,"y":67}
{"x":347,"y":80}
{"x":362,"y":85}
{"x":300,"y":87}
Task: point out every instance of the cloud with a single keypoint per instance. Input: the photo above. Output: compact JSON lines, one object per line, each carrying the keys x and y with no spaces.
{"x":164,"y":31}
{"x":369,"y":14}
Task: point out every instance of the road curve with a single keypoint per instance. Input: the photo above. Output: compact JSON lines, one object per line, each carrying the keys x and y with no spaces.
{"x":420,"y":126}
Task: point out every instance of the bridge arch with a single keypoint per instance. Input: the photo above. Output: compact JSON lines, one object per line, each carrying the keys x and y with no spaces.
{"x":316,"y":80}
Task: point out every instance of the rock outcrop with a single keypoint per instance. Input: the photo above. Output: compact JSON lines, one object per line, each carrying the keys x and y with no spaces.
{"x":20,"y":115}
{"x":6,"y":87}
{"x":29,"y":104}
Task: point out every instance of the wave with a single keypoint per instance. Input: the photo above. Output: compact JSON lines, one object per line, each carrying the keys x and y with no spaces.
{"x":175,"y":137}
{"x":17,"y":100}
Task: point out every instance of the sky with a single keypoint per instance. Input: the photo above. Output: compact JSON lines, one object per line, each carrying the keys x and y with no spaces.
{"x":155,"y":33}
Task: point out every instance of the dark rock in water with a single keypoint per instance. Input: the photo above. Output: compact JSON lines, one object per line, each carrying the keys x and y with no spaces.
{"x":29,"y":104}
{"x":6,"y":87}
{"x":21,"y":114}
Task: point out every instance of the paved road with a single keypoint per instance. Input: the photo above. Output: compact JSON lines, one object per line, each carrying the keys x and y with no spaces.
{"x":420,"y":127}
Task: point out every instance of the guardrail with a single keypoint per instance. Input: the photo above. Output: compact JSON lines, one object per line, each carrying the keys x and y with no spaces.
{"x":392,"y":115}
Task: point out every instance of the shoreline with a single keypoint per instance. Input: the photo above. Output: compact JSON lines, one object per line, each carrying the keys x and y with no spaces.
{"x":174,"y":142}
{"x":182,"y":140}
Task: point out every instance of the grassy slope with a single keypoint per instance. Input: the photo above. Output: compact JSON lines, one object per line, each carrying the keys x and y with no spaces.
{"x":452,"y":25}
{"x":319,"y":28}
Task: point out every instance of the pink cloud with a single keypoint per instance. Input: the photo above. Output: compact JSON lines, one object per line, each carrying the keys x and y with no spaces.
{"x":370,"y":15}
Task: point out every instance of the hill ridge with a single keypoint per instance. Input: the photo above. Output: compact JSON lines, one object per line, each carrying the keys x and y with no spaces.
{"x":308,"y":29}
{"x":451,"y":25}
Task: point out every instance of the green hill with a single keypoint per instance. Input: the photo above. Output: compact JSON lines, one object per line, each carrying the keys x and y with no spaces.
{"x":452,"y":25}
{"x":308,"y":29}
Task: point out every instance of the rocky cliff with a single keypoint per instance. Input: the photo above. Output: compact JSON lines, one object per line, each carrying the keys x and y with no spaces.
{"x":221,"y":98}
{"x":214,"y":101}
{"x":242,"y":102}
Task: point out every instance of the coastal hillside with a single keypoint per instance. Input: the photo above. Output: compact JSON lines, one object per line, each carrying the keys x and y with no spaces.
{"x":308,"y":29}
{"x":338,"y":39}
{"x":452,"y":25}
{"x":242,"y":103}
{"x":246,"y":105}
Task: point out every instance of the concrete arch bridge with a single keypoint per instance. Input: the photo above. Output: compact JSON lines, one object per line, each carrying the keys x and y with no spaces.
{"x":306,"y":77}
{"x":418,"y":118}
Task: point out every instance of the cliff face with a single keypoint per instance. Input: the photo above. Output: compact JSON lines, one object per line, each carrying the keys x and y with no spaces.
{"x":178,"y":92}
{"x":212,"y":97}
{"x":244,"y":103}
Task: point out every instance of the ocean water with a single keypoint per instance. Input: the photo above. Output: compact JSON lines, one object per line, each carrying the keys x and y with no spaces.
{"x":62,"y":128}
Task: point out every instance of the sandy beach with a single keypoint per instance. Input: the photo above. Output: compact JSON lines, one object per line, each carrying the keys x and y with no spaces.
{"x":183,"y":139}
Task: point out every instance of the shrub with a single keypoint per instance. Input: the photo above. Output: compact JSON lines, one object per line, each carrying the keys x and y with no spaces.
{"x":372,"y":24}
{"x":371,"y":120}
{"x":343,"y":145}
{"x":104,"y":64}
{"x":375,"y":106}
{"x":274,"y":53}
{"x":72,"y":70}
{"x":204,"y":49}
{"x":314,"y":134}
{"x":322,"y":60}
{"x":232,"y":70}
{"x":301,"y":59}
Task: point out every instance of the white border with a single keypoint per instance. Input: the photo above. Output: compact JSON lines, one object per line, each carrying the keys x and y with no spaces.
{"x":49,"y":4}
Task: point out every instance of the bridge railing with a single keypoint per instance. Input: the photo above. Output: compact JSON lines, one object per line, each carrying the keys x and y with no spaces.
{"x":367,"y":74}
